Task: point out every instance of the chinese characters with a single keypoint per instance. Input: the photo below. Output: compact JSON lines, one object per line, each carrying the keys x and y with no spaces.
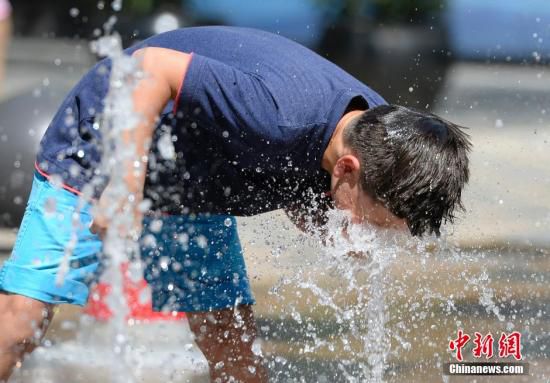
{"x":508,"y":345}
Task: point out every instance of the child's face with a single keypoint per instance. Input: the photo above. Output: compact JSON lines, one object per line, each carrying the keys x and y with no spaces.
{"x":348,"y":195}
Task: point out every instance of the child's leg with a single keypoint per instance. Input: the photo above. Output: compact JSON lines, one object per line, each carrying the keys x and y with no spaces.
{"x":196,"y":266}
{"x":23,"y":322}
{"x":226,"y":338}
{"x":29,"y":283}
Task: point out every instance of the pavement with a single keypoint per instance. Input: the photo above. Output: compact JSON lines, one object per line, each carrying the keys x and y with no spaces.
{"x":507,"y":110}
{"x":61,"y":62}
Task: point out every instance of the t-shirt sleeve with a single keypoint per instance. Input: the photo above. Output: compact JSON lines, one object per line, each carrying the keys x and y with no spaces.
{"x":228,"y":99}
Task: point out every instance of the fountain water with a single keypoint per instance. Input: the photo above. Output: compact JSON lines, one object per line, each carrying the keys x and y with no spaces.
{"x":359,"y":309}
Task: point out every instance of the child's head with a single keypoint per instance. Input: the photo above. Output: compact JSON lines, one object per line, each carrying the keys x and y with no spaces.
{"x":413,"y":163}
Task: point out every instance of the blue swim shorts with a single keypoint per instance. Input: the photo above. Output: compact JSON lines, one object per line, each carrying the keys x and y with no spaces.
{"x":193,"y":263}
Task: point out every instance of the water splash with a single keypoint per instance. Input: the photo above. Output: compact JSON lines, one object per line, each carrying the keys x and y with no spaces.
{"x":119,"y":248}
{"x":375,"y":289}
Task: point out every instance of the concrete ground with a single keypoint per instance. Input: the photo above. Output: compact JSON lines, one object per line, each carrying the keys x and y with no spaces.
{"x":60,"y":62}
{"x":507,"y":111}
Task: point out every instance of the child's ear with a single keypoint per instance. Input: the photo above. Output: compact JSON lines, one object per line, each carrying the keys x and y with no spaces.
{"x":347,"y":164}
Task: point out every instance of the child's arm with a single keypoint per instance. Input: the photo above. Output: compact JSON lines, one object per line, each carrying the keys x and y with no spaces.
{"x":165,"y":71}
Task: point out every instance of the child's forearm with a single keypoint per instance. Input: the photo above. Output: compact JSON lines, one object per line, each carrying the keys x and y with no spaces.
{"x":149,"y":98}
{"x":164,"y":71}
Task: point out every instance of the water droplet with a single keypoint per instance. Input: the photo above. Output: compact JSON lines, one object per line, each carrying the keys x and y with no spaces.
{"x":74,"y":12}
{"x":166,"y":146}
{"x":155,"y":226}
{"x":202,"y":241}
{"x":50,"y":206}
{"x":149,"y":240}
{"x":164,"y":262}
{"x":257,"y":347}
{"x":183,"y":238}
{"x":68,"y":325}
{"x":228,"y":222}
{"x":56,"y":181}
{"x":69,"y":120}
{"x":116,"y":5}
{"x":144,"y":296}
{"x":74,"y":170}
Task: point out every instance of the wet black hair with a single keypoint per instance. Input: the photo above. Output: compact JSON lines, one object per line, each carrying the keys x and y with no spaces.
{"x":413,"y":162}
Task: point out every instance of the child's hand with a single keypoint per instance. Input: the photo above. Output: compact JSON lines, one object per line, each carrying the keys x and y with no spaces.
{"x":99,"y":226}
{"x":121,"y":210}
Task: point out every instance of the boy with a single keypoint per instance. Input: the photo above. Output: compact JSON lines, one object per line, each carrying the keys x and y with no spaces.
{"x":258,"y":123}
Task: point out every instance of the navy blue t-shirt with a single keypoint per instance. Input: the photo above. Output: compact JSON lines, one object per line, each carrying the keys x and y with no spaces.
{"x":250,"y":124}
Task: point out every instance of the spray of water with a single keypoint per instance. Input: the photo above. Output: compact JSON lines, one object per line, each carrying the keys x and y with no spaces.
{"x":119,"y":246}
{"x":369,"y":299}
{"x":119,"y":249}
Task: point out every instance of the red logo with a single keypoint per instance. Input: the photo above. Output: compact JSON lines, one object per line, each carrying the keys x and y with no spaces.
{"x":508,"y":345}
{"x":458,"y":344}
{"x":484,"y":345}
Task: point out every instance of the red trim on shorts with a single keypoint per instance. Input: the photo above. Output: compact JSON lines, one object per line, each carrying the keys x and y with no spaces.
{"x":47,"y":176}
{"x":177,"y":100}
